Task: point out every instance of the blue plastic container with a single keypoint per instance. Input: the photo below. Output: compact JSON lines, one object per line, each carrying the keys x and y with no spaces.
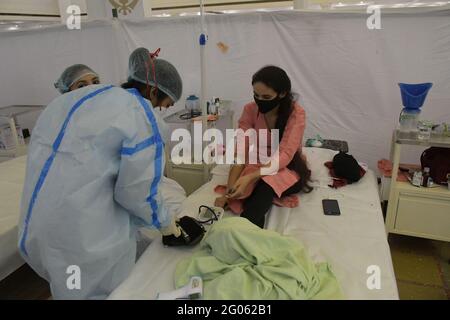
{"x":193,"y":104}
{"x":413,"y":95}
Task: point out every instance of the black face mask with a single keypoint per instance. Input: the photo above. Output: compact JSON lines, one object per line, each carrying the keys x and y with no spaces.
{"x":265,"y":106}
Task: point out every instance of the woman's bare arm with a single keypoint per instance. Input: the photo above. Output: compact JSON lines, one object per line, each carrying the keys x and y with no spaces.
{"x":234,"y":174}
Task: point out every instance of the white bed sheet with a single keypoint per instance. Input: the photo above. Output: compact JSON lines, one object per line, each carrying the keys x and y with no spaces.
{"x":350,"y":243}
{"x":12,"y":176}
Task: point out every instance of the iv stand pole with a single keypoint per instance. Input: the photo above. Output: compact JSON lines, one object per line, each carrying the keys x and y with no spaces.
{"x":202,"y":41}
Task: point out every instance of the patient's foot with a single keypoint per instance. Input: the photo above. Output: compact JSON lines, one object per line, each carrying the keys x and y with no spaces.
{"x":221,"y":202}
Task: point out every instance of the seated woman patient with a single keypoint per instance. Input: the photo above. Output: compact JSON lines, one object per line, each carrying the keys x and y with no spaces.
{"x":274,"y":108}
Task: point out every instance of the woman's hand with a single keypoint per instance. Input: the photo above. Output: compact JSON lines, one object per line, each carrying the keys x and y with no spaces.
{"x":239,"y":187}
{"x":221,"y":202}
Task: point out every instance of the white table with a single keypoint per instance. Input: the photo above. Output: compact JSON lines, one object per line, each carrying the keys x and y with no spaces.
{"x":417,"y":211}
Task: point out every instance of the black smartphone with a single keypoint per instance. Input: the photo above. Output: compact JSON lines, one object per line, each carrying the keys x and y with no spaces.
{"x":331,"y":207}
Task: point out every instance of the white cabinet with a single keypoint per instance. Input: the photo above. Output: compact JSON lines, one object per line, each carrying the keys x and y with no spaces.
{"x":418,"y":211}
{"x":193,"y":176}
{"x":422,"y":212}
{"x":189,"y":176}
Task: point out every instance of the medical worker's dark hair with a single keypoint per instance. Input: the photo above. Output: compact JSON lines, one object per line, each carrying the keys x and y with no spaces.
{"x":142,"y":88}
{"x":277,"y":79}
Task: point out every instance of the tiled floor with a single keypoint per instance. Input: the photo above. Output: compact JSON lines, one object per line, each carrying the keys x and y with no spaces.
{"x":24,"y":284}
{"x":422,"y":267}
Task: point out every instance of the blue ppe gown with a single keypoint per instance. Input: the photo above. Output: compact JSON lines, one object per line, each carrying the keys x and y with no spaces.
{"x":95,"y":163}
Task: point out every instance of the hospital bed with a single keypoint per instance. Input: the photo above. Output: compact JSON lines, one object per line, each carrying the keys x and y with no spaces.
{"x":12,"y":176}
{"x":354,"y":243}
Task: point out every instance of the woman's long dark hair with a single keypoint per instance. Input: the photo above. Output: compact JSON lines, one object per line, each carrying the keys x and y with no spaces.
{"x":142,"y":88}
{"x":277,"y":79}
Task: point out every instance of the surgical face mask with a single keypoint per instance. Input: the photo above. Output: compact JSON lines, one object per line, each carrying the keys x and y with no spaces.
{"x":161,"y":111}
{"x":265,"y":106}
{"x":160,"y":114}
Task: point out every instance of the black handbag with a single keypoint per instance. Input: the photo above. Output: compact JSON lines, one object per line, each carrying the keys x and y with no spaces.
{"x":346,"y":167}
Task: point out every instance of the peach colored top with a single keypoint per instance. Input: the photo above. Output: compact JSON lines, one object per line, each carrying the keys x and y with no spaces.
{"x":290,"y":143}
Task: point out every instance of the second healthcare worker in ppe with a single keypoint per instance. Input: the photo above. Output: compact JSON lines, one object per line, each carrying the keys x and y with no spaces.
{"x":142,"y":67}
{"x":75,"y":77}
{"x":94,"y":169}
{"x":152,"y":79}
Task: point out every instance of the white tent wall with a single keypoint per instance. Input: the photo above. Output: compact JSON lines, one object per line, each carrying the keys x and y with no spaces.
{"x":31,"y":62}
{"x":346,"y":75}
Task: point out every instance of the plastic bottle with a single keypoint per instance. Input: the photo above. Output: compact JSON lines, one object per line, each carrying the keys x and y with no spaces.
{"x":216,"y":106}
{"x":425,"y":177}
{"x":192,"y":104}
{"x":409,"y":120}
{"x":417,"y":179}
{"x":219,"y":109}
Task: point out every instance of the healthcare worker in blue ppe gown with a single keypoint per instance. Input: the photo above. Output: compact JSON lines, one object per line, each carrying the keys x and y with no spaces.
{"x":95,"y":164}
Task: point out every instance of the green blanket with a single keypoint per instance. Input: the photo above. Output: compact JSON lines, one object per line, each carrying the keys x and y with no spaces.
{"x":238,"y":260}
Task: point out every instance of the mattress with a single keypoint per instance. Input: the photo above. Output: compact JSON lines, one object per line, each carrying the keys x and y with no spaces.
{"x":12,"y":176}
{"x":354,"y":243}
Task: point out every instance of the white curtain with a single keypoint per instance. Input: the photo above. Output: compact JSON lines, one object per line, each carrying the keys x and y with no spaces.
{"x":346,"y":75}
